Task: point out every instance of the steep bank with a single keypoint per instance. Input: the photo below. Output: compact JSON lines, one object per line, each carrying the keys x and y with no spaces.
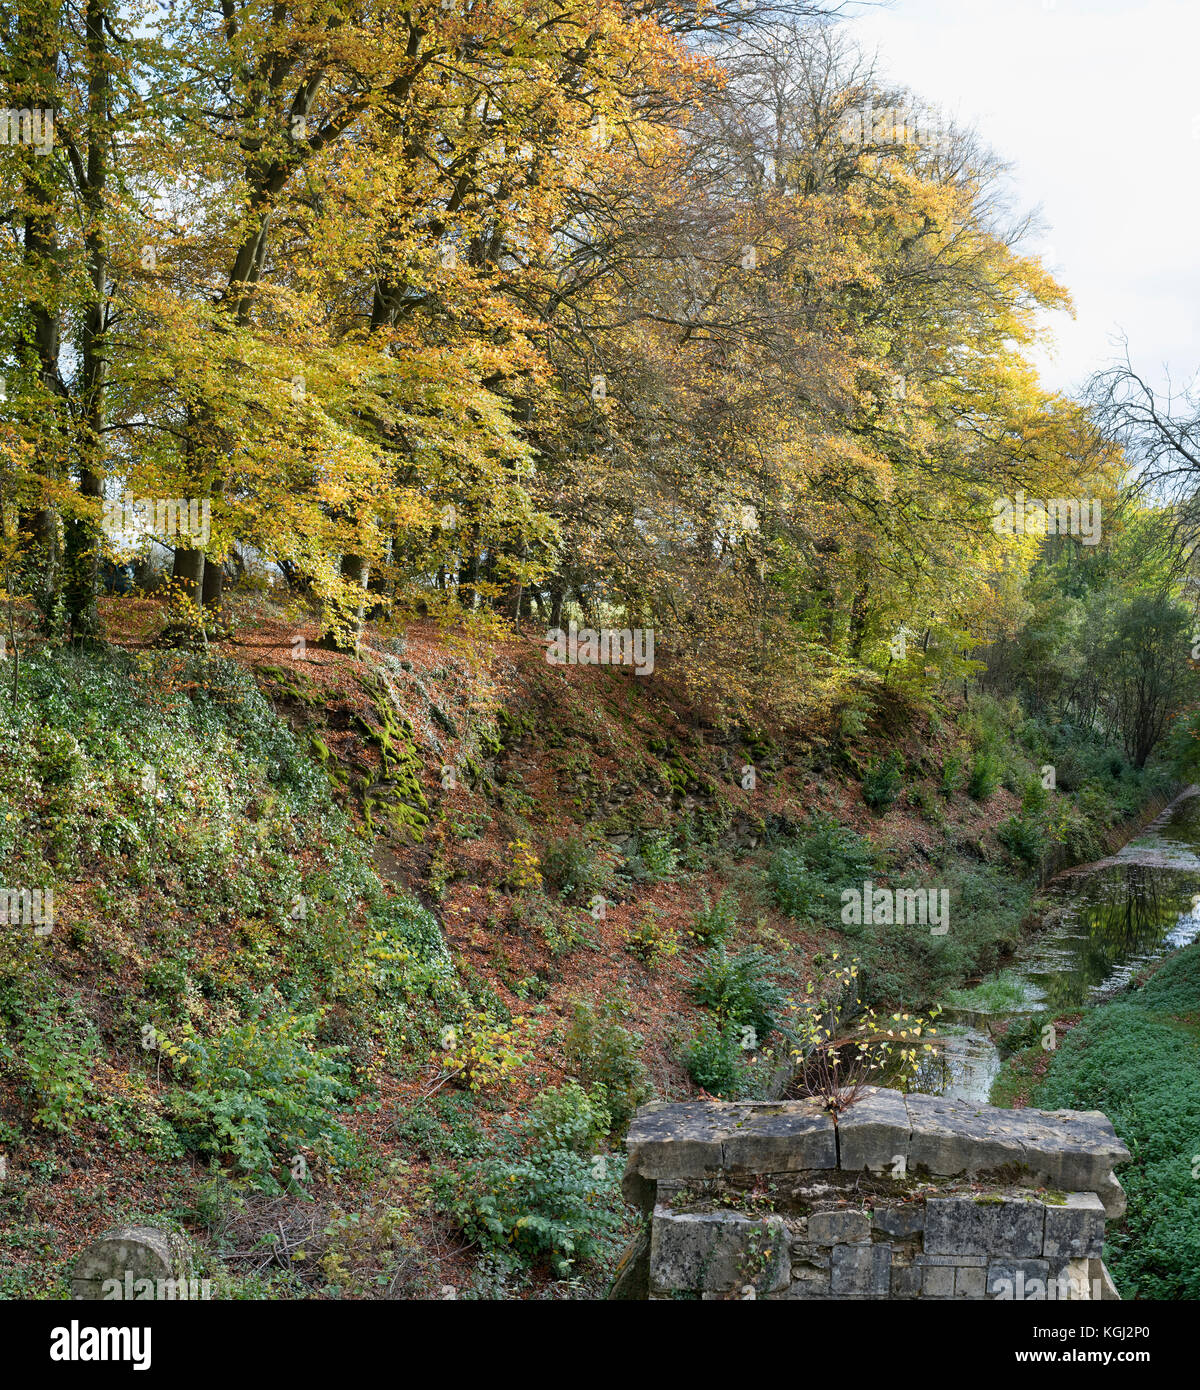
{"x":318,"y":959}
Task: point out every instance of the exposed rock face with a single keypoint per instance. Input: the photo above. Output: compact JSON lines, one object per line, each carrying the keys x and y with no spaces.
{"x":904,"y":1197}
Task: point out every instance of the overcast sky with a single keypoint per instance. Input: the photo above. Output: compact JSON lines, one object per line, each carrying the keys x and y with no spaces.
{"x":1096,"y":104}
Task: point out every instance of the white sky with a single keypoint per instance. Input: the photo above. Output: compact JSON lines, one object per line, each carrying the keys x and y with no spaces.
{"x":1096,"y":105}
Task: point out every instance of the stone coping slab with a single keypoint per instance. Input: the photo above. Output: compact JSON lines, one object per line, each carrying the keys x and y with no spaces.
{"x":884,"y":1132}
{"x":707,"y":1138}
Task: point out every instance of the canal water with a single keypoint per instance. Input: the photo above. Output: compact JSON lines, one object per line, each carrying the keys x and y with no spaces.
{"x":1105,"y":922}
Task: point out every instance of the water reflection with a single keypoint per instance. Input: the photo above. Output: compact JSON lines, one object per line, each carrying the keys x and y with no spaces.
{"x":1103,"y":926}
{"x":1121,"y":914}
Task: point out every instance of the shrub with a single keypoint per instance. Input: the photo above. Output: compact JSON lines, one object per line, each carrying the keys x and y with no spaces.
{"x":737,"y":990}
{"x":444,"y":1127}
{"x":882,"y":782}
{"x":658,"y":857}
{"x":650,"y":939}
{"x":52,"y":1056}
{"x":986,"y":771}
{"x":524,"y":871}
{"x":569,"y":1117}
{"x":806,"y":876}
{"x":554,"y":1200}
{"x":481,"y":1054}
{"x":577,"y":867}
{"x":1024,"y":837}
{"x":796,"y":889}
{"x":260,"y":1093}
{"x":834,"y":851}
{"x":842,"y":1045}
{"x":951,"y":776}
{"x":558,"y":924}
{"x":602,"y":1052}
{"x":714,"y":1059}
{"x":714,"y":921}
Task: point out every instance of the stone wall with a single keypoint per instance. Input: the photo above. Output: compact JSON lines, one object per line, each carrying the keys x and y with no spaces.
{"x":902,"y":1197}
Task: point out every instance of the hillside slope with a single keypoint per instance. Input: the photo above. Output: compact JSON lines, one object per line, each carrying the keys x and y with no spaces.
{"x":358,"y":966}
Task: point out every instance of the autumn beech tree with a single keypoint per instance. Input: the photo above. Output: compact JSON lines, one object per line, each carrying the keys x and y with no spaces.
{"x":812,"y":352}
{"x":621,"y":312}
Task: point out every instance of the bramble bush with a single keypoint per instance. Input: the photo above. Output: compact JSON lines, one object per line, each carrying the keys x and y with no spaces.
{"x":882,"y":781}
{"x":650,"y":939}
{"x":806,"y":874}
{"x":601,"y":1051}
{"x":738,"y":989}
{"x":555,"y":1199}
{"x":715,"y":1059}
{"x":260,"y":1092}
{"x":714,"y":921}
{"x":577,"y":866}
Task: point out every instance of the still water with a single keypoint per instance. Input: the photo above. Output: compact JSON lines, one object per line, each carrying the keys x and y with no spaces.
{"x":1105,"y":922}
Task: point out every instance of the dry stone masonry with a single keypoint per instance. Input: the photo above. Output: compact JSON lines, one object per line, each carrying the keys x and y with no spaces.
{"x":902,"y":1197}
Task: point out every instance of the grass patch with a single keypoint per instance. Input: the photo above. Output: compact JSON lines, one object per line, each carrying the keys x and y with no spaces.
{"x":1001,"y":994}
{"x":1138,"y":1060}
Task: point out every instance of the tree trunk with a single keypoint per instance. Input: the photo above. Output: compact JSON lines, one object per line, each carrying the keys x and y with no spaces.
{"x":356,"y":571}
{"x":34,"y":73}
{"x":82,"y":533}
{"x":189,"y":569}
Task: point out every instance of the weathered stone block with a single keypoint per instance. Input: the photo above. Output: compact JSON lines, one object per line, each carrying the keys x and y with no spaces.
{"x":806,"y":1253}
{"x":1071,"y":1149}
{"x":1076,"y":1230}
{"x":903,"y":1221}
{"x":631,"y":1278}
{"x":873,"y":1133}
{"x":783,"y":1138}
{"x":802,"y":1289}
{"x":1020,"y":1280}
{"x":982,"y":1226}
{"x":1101,"y":1281}
{"x":906,"y":1280}
{"x":139,"y":1262}
{"x":951,"y":1137}
{"x":717,"y":1252}
{"x":838,"y":1227}
{"x":1070,"y":1281}
{"x":705,"y":1138}
{"x":1075,"y":1150}
{"x":676,"y":1141}
{"x":638,"y":1191}
{"x":1112,"y":1194}
{"x":970,"y":1281}
{"x":881,"y":1269}
{"x":860,"y":1269}
{"x":937,"y":1281}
